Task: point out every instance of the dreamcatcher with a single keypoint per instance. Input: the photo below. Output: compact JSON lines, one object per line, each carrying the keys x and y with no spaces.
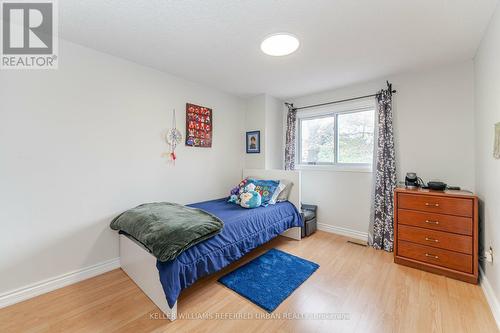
{"x":173,"y":138}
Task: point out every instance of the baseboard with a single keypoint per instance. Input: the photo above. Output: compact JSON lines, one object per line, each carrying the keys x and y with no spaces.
{"x":362,"y":236}
{"x":490,"y":296}
{"x":42,"y":287}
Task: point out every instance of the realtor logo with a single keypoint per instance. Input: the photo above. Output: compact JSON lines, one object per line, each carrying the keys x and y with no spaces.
{"x":29,"y":34}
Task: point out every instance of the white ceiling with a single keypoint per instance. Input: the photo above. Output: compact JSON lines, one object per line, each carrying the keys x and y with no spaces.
{"x":217,"y":42}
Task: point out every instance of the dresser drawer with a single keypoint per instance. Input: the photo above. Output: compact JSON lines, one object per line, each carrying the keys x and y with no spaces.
{"x":436,"y":204}
{"x":440,"y":239}
{"x":441,"y":222}
{"x":431,"y":255}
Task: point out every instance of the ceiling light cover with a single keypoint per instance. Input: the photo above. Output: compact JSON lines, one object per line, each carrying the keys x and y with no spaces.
{"x":281,"y":44}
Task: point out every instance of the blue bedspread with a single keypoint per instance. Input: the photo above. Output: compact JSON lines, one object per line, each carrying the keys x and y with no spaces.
{"x":244,"y":230}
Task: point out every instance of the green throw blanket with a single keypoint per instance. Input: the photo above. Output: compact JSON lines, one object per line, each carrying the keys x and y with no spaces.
{"x":167,"y":229}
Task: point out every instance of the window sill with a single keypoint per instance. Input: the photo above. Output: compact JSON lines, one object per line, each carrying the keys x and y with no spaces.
{"x":335,"y":168}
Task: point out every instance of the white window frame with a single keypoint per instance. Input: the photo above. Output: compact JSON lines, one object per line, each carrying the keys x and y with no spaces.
{"x":327,"y":111}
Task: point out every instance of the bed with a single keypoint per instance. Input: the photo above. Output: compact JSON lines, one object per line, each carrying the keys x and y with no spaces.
{"x":244,"y":230}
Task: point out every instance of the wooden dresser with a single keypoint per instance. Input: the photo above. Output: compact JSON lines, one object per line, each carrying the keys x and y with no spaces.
{"x":437,"y":232}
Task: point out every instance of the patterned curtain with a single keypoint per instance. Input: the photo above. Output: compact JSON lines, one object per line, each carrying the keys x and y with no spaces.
{"x":291,"y":120}
{"x":385,"y":175}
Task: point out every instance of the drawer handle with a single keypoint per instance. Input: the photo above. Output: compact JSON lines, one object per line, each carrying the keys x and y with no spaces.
{"x":432,"y":222}
{"x":431,"y":240}
{"x":431,"y":256}
{"x":432,"y":204}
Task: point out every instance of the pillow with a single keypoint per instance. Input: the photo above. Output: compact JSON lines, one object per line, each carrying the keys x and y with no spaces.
{"x":284,"y":194}
{"x":250,"y":199}
{"x":234,"y":195}
{"x":266,"y":188}
{"x":280,"y":189}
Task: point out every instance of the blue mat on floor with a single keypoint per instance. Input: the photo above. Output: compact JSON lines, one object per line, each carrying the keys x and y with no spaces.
{"x":269,"y":279}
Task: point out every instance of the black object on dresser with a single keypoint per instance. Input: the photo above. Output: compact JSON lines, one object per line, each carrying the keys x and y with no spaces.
{"x":309,"y":219}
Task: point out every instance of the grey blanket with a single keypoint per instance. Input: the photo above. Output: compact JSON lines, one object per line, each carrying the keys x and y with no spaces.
{"x":167,"y":229}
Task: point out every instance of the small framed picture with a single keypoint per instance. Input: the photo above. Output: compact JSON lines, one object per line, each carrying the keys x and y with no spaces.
{"x":253,"y":142}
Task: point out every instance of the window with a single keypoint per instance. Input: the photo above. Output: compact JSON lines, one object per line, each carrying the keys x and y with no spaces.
{"x":317,"y":140}
{"x":337,"y":137}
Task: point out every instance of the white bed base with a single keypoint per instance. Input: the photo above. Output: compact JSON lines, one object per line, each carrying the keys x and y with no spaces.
{"x":140,"y":265}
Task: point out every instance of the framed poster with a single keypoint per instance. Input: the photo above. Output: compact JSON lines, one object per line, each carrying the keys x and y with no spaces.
{"x":253,"y":142}
{"x":199,"y":126}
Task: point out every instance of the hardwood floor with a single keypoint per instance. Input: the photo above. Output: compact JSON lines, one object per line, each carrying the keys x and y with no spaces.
{"x":375,"y":294}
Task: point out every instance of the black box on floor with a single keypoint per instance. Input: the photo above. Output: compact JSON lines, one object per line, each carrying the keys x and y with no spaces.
{"x":309,"y":219}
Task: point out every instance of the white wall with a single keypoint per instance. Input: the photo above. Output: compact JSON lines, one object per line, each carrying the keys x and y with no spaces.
{"x":487,"y":75}
{"x":83,"y":143}
{"x":255,"y":120}
{"x":433,"y":123}
{"x":274,"y":133}
{"x":264,"y":113}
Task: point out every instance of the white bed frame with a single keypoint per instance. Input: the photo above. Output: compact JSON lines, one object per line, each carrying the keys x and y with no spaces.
{"x":140,"y":265}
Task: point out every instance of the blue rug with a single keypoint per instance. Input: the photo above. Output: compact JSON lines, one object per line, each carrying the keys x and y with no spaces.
{"x":270,"y":278}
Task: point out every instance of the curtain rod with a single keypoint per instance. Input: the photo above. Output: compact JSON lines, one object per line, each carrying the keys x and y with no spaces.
{"x":389,"y":87}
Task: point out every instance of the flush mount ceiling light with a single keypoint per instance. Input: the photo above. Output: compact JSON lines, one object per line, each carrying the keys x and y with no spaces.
{"x":281,"y":44}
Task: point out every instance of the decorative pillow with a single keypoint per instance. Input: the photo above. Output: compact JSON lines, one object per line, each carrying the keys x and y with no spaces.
{"x":283,"y":195}
{"x":250,"y":199}
{"x":266,"y":188}
{"x":250,"y":187}
{"x":234,"y":196}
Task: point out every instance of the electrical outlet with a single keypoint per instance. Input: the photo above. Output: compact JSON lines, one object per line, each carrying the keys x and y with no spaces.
{"x":488,"y":255}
